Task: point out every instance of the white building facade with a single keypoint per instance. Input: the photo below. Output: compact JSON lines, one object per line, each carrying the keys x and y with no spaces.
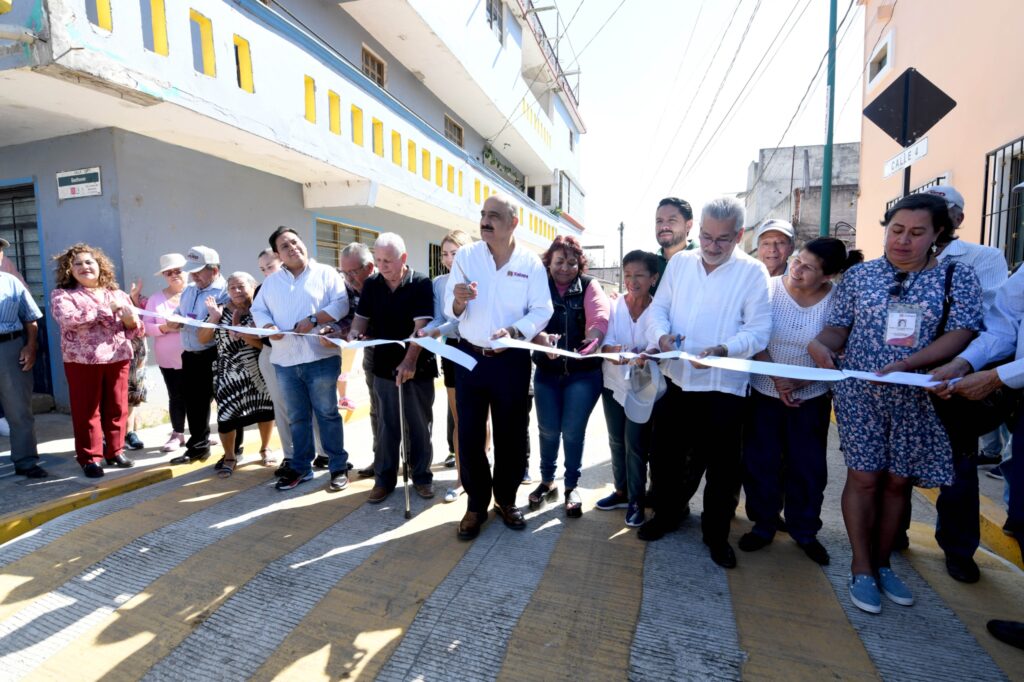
{"x":214,"y":121}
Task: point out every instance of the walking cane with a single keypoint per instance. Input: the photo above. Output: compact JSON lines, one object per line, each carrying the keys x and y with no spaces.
{"x":402,"y":448}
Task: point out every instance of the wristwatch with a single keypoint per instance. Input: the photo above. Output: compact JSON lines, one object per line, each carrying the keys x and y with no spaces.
{"x":312,"y":319}
{"x":515,"y":333}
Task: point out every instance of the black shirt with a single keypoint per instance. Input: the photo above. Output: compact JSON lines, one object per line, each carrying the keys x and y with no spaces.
{"x":391,"y":315}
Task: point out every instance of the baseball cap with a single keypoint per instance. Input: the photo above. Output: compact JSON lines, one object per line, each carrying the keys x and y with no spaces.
{"x":646,"y":386}
{"x":949,"y":194}
{"x":198,"y":257}
{"x":774,"y":225}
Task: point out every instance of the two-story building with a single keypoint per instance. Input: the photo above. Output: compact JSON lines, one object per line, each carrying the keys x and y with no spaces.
{"x":145,"y":127}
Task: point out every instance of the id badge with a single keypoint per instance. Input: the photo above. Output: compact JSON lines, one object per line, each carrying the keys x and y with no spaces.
{"x":903,"y":325}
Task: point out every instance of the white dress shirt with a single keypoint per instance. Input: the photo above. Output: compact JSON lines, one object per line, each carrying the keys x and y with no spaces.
{"x":514,"y":295}
{"x":1002,"y":336}
{"x":988,"y":263}
{"x":284,"y":300}
{"x":632,"y":336}
{"x":728,"y":306}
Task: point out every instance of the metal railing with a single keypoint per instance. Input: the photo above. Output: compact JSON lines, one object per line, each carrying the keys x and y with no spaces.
{"x":1002,"y":216}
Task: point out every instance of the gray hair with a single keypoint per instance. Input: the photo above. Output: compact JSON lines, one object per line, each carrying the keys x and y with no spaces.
{"x":725,"y":208}
{"x":359,"y":250}
{"x":390,"y":240}
{"x":507,"y":202}
{"x":244,"y":276}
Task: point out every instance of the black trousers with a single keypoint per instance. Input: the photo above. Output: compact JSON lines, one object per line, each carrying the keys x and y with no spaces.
{"x":175,"y":382}
{"x":500,"y":386}
{"x":197,"y":378}
{"x":698,"y":434}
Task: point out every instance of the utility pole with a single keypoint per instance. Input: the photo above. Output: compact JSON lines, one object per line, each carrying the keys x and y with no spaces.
{"x":826,"y":165}
{"x":622,"y":230}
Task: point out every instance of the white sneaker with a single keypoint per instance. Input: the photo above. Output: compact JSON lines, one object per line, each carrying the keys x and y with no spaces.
{"x":176,"y":441}
{"x":5,"y":428}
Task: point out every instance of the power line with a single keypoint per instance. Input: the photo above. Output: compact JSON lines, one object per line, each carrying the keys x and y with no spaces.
{"x":799,"y":106}
{"x":721,"y":86}
{"x":679,"y":69}
{"x":744,"y":90}
{"x":682,"y":121}
{"x":870,"y":54}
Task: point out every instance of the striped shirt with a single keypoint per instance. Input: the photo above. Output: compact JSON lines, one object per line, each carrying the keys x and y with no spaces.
{"x":192,"y":304}
{"x":16,"y":305}
{"x":988,"y":262}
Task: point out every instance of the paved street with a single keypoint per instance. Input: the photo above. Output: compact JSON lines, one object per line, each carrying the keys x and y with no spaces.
{"x":198,"y":578}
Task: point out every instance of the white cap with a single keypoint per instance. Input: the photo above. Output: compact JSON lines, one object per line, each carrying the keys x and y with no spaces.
{"x":170,"y":261}
{"x":774,"y":225}
{"x":949,"y":194}
{"x":198,"y":257}
{"x":646,"y":386}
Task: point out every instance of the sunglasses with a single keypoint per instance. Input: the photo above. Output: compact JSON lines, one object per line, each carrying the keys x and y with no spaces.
{"x":897,"y":289}
{"x":172,"y":272}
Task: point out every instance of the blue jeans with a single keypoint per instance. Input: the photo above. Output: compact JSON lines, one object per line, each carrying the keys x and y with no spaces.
{"x":311,"y":389}
{"x":630,"y":444}
{"x":564,"y":404}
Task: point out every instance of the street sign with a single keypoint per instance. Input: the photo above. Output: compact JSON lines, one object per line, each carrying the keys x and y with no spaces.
{"x":909,"y":107}
{"x":84,"y":182}
{"x":906,"y":158}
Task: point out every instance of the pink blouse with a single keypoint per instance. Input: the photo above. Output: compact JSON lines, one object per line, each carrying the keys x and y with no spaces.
{"x":166,"y":345}
{"x":89,"y":333}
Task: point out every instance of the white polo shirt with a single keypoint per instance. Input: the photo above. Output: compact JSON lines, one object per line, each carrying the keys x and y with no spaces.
{"x":516,"y":294}
{"x":284,"y":300}
{"x":728,"y":306}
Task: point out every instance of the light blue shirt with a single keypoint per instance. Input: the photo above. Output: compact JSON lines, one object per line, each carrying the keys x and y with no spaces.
{"x":1002,"y":336}
{"x":192,"y":304}
{"x":16,"y":305}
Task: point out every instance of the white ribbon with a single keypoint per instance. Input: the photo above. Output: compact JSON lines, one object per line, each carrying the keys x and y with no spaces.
{"x":773,"y":369}
{"x":433,"y":345}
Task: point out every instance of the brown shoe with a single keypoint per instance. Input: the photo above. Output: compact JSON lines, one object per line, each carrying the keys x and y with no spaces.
{"x":511,"y":515}
{"x":470,"y":525}
{"x":378,"y":494}
{"x":425,"y":490}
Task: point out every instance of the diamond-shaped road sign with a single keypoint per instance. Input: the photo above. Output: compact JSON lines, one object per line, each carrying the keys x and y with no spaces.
{"x":909,"y":107}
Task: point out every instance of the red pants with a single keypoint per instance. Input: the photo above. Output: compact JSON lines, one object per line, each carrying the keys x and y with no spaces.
{"x":99,"y":408}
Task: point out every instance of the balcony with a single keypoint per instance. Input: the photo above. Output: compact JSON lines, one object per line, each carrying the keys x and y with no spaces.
{"x":240,"y":82}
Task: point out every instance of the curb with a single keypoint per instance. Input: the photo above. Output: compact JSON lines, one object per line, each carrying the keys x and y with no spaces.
{"x":992,"y":518}
{"x":20,"y":522}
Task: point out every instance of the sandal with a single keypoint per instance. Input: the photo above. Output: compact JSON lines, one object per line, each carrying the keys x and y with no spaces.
{"x":541,"y":493}
{"x":227,"y":467}
{"x":573,"y":504}
{"x":265,"y":458}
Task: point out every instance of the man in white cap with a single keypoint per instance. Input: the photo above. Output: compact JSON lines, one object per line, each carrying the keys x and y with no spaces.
{"x":18,"y":333}
{"x":958,"y":505}
{"x":775,"y":242}
{"x":197,"y":359}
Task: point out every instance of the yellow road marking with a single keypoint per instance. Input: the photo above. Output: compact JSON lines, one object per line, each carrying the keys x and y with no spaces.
{"x":580,"y":621}
{"x":364,"y":615}
{"x":51,"y":566}
{"x":999,"y":594}
{"x":789,"y":620}
{"x":150,"y":625}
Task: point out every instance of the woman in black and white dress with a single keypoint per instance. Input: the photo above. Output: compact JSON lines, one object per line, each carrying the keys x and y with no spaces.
{"x":241,"y":393}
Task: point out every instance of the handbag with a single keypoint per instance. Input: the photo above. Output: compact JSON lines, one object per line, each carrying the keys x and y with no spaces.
{"x":973,"y":418}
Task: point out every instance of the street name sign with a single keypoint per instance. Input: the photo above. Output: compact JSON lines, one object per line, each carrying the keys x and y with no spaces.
{"x":84,"y":182}
{"x":905,"y":158}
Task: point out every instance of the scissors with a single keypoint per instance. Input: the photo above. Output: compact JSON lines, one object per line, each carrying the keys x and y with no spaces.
{"x":465,"y":279}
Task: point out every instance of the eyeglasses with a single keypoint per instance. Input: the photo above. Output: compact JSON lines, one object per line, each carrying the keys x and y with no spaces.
{"x":721,"y":242}
{"x":172,"y":272}
{"x":900,"y":278}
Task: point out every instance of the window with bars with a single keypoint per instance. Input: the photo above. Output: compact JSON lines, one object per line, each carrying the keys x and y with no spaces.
{"x":332,"y":237}
{"x":453,"y":131}
{"x":436,"y":268}
{"x":495,"y":17}
{"x":374,"y":67}
{"x":940,"y":180}
{"x":1003,"y":203}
